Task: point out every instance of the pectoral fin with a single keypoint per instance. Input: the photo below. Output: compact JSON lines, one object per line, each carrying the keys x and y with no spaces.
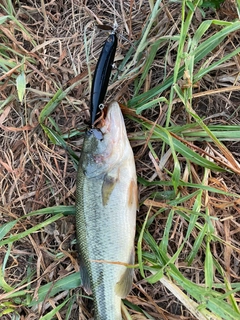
{"x":109,"y":183}
{"x":124,"y":285}
{"x":133,"y":194}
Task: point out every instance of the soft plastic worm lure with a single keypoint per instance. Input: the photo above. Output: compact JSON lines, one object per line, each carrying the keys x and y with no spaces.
{"x":102,"y":75}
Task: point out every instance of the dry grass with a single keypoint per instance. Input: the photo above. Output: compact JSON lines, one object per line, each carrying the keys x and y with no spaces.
{"x":35,"y":174}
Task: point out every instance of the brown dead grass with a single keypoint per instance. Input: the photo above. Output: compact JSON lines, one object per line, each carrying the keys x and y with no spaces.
{"x":36,"y":174}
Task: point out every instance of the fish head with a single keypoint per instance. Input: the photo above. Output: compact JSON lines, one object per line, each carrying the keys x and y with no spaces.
{"x":105,"y":147}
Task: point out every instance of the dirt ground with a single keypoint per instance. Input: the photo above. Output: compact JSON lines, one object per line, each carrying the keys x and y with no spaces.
{"x":36,"y":174}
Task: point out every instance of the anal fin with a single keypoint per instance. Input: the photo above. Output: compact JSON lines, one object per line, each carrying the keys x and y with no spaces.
{"x":124,"y":285}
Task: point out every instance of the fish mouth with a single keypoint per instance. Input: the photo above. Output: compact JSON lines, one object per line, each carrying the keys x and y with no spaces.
{"x":110,"y":120}
{"x":113,"y":121}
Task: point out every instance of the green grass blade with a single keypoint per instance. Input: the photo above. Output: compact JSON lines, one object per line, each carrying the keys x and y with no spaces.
{"x":197,"y":244}
{"x":222,"y":309}
{"x":143,"y":42}
{"x":208,"y":267}
{"x":150,"y":104}
{"x":21,"y":86}
{"x":137,"y":308}
{"x":178,"y":146}
{"x":205,"y":70}
{"x":51,"y":289}
{"x":139,"y":245}
{"x":49,"y":315}
{"x":3,"y":283}
{"x":3,"y":19}
{"x":51,"y":105}
{"x":188,"y":185}
{"x":37,"y":227}
{"x":151,"y":55}
{"x":55,"y":210}
{"x":57,"y":139}
{"x":193,"y":217}
{"x":5,"y":228}
{"x":205,"y":48}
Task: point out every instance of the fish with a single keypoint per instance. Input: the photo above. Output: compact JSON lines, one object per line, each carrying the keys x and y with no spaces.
{"x":102,"y":75}
{"x":106,"y":206}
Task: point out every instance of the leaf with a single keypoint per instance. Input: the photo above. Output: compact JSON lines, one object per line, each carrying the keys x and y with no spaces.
{"x":189,"y":154}
{"x":155,"y":277}
{"x":50,"y":314}
{"x":3,"y":283}
{"x":3,"y":19}
{"x":214,"y":4}
{"x":25,"y":233}
{"x":5,"y":228}
{"x":208,"y":267}
{"x":69,"y":282}
{"x":51,"y":105}
{"x":197,"y":244}
{"x":21,"y":86}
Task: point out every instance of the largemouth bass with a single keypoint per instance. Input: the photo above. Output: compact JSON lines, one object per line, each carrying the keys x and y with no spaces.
{"x":106,"y":204}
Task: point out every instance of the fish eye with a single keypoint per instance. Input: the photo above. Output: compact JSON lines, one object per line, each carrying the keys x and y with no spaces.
{"x":96,"y":132}
{"x":89,"y":132}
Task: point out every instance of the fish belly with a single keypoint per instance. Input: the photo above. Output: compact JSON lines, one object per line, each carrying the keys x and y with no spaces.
{"x":105,"y":232}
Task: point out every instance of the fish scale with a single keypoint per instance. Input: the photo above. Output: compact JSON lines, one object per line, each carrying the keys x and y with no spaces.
{"x":106,"y":203}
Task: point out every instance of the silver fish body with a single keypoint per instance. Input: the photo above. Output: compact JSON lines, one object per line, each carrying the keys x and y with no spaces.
{"x":106,"y":204}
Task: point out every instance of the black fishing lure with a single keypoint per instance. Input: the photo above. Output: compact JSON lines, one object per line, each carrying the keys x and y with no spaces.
{"x":102,"y":75}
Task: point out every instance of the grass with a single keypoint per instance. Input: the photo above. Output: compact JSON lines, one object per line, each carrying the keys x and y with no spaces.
{"x":183,"y":126}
